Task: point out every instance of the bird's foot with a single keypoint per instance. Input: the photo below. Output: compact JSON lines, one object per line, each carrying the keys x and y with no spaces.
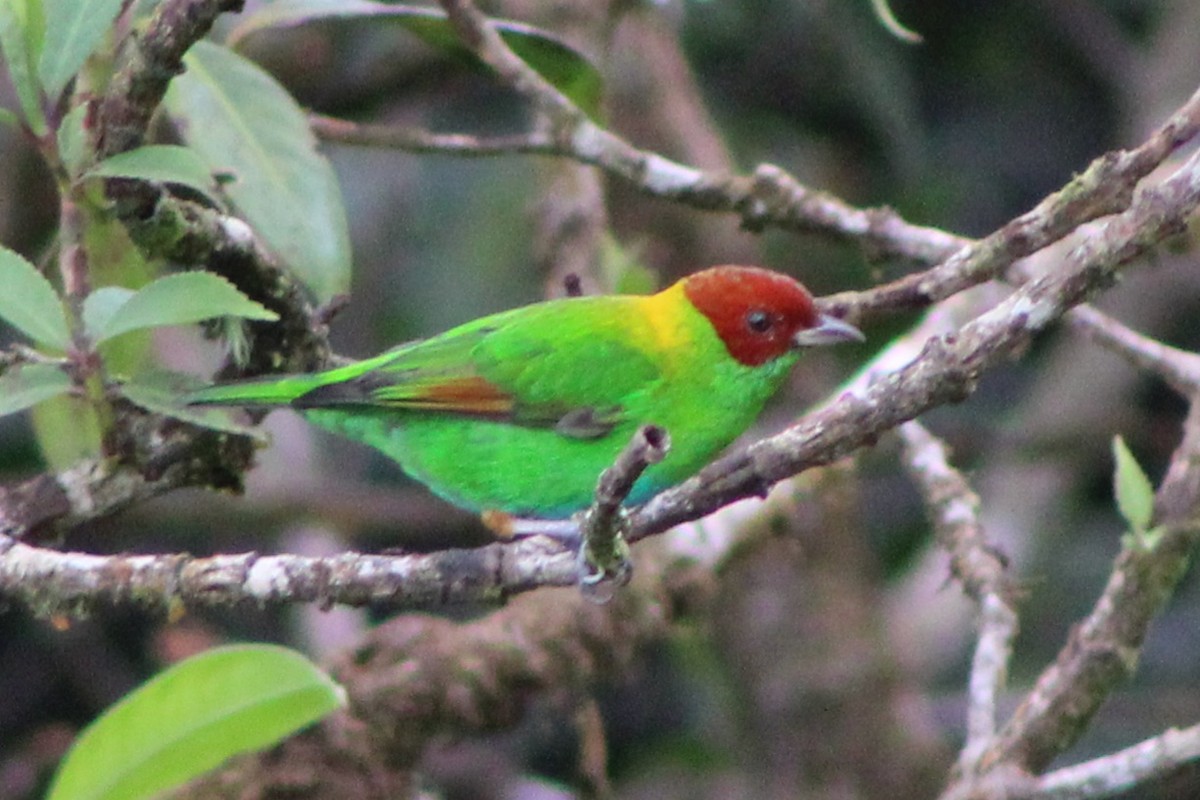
{"x":507,"y":527}
{"x":604,"y":563}
{"x":599,"y":581}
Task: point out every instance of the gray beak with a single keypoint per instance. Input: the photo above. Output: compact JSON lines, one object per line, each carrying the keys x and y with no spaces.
{"x":828,"y":330}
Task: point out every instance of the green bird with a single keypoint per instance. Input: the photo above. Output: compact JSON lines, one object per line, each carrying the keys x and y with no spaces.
{"x":519,"y":412}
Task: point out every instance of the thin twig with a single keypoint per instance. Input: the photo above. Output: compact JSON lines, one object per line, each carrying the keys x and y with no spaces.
{"x":980,"y":569}
{"x":1121,"y":771}
{"x":416,"y":140}
{"x":603,"y":526}
{"x":1179,"y":368}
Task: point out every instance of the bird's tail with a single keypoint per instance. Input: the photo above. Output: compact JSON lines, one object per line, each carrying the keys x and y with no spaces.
{"x":280,"y":390}
{"x":258,"y":393}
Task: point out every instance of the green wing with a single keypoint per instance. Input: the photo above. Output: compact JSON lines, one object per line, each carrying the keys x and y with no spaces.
{"x":569,"y":365}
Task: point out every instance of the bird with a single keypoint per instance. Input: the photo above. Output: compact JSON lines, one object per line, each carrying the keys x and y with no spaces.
{"x":518,"y":413}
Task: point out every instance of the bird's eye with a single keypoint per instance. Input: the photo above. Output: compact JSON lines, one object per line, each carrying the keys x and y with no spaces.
{"x":759,"y":321}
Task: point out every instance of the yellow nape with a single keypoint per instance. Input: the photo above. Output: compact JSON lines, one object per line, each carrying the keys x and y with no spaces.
{"x":668,"y":316}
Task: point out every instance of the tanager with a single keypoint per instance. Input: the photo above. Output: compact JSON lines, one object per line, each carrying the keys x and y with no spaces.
{"x":519,"y":412}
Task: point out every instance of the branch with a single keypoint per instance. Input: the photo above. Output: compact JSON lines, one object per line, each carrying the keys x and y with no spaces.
{"x":151,"y":455}
{"x":1122,"y":771}
{"x":57,"y":583}
{"x":146,"y":64}
{"x":1179,"y":368}
{"x":1103,"y":650}
{"x":1105,"y":187}
{"x":183,"y":232}
{"x":947,"y":370}
{"x":982,"y":572}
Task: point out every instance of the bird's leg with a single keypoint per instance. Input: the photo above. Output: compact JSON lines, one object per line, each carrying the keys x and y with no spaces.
{"x":508,"y":528}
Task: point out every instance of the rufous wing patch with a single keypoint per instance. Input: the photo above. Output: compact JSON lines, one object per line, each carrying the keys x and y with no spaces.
{"x":469,"y":394}
{"x":466,"y":395}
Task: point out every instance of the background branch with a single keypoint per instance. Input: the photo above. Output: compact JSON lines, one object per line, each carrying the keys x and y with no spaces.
{"x":1122,"y":771}
{"x":980,"y":568}
{"x":1103,"y":650}
{"x":147,"y":62}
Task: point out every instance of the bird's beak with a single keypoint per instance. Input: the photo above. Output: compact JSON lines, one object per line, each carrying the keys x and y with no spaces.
{"x":828,"y":330}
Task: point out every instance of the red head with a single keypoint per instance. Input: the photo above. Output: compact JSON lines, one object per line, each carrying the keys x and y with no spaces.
{"x":761,"y":315}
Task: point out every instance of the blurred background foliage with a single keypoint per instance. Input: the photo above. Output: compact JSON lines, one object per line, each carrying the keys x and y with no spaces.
{"x":814,"y":634}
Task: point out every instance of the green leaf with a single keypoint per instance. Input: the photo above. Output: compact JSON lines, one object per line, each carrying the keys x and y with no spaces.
{"x":9,"y":118}
{"x":29,"y":303}
{"x":179,"y":299}
{"x":29,"y":384}
{"x":193,"y":716}
{"x":73,"y":141}
{"x":22,"y":27}
{"x":160,"y":391}
{"x":1135,"y":493}
{"x":67,"y":429}
{"x":564,"y":67}
{"x":115,"y":262}
{"x":74,"y":28}
{"x":242,"y":122}
{"x":100,"y":306}
{"x":34,"y":15}
{"x":162,"y":163}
